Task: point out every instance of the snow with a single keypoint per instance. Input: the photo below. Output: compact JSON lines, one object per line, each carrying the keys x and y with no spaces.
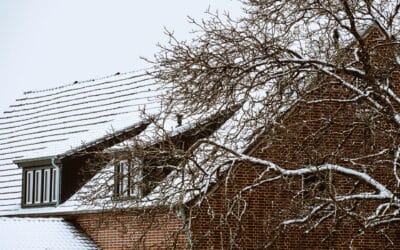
{"x":41,"y":233}
{"x":398,"y":58}
{"x":383,"y":192}
{"x":54,"y":122}
{"x":397,"y":118}
{"x":100,"y":188}
{"x":355,"y":53}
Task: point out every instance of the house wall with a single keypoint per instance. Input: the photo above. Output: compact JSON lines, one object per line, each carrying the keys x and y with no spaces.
{"x":253,"y":219}
{"x":132,"y":230}
{"x":228,"y":219}
{"x":307,"y":135}
{"x":254,"y":222}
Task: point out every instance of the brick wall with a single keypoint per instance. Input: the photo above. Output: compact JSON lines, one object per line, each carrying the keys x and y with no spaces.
{"x":309,"y":134}
{"x":253,"y":219}
{"x":133,"y":230}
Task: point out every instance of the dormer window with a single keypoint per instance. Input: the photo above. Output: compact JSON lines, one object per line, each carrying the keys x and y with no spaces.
{"x":40,"y":186}
{"x":128,"y":180}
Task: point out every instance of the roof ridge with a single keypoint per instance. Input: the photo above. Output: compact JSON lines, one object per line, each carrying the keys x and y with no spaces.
{"x":35,"y":91}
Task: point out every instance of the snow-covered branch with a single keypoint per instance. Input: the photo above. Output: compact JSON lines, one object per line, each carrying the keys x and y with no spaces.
{"x":383,"y":192}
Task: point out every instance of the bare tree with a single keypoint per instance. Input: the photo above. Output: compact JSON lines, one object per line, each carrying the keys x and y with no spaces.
{"x":313,"y":92}
{"x":319,"y":77}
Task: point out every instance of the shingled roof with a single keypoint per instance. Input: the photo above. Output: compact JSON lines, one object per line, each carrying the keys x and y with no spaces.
{"x":55,"y":122}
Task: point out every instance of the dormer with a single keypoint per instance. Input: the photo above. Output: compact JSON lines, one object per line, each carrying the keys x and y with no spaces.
{"x":41,"y":182}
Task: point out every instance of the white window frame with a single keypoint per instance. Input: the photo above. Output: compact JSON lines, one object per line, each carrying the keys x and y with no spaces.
{"x":128,"y":178}
{"x":40,"y":186}
{"x":123,"y":178}
{"x":37,"y":186}
{"x":54,"y":184}
{"x":29,"y":187}
{"x":46,"y":185}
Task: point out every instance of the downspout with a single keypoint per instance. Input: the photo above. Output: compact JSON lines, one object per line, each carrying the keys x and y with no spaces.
{"x":58,"y":179}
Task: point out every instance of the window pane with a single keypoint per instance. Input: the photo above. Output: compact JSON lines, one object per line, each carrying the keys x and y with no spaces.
{"x":46,"y":185}
{"x":38,"y":186}
{"x":136,"y":177}
{"x":29,"y":187}
{"x":122,"y":181}
{"x":54,"y":183}
{"x":125,"y":178}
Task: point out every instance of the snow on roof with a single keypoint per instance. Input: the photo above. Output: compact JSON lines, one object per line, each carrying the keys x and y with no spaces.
{"x":188,"y":182}
{"x":57,"y":121}
{"x":180,"y":185}
{"x":41,"y":233}
{"x":97,"y":194}
{"x":53,"y":122}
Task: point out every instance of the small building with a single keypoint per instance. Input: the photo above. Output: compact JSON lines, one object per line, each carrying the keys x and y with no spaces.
{"x":106,"y":164}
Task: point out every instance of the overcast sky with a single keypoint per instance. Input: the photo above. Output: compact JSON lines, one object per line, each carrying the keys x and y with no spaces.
{"x":46,"y":43}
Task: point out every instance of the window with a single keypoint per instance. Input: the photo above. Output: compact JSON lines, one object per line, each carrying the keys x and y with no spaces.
{"x":54,"y":184}
{"x":128,"y":178}
{"x":46,"y":185}
{"x":40,"y":186}
{"x":29,"y":187}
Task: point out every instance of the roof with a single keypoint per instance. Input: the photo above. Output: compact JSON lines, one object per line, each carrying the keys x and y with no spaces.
{"x":54,"y":123}
{"x":58,"y":121}
{"x":41,"y":233}
{"x":97,"y":194}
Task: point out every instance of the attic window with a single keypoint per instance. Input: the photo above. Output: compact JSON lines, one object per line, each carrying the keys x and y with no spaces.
{"x":40,"y":185}
{"x":128,"y":178}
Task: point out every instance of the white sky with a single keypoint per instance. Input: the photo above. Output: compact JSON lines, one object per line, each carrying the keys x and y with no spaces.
{"x":46,"y":43}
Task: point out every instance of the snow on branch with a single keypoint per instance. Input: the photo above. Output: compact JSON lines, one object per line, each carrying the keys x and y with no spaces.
{"x":383,"y":192}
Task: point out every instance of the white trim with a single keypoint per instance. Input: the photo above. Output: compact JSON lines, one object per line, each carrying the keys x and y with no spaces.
{"x":29,"y":187}
{"x":54,"y":184}
{"x":46,"y":185}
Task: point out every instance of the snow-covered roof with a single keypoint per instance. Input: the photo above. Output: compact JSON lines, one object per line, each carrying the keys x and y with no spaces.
{"x":41,"y":233}
{"x":181,"y":185}
{"x":97,"y":193}
{"x":54,"y":122}
{"x":57,"y":121}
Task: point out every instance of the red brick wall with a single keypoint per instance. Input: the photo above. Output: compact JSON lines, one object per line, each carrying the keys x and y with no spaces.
{"x":253,"y":219}
{"x":130,"y":230}
{"x":263,"y":210}
{"x":308,"y":135}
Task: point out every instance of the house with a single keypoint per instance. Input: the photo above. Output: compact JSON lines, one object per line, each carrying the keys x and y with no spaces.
{"x":50,"y":139}
{"x":107,"y":160}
